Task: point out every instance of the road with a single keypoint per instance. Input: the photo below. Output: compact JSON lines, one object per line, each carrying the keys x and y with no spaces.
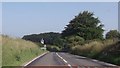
{"x":64,"y":59}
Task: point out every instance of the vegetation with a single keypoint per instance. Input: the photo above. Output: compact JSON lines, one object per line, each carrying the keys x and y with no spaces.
{"x":85,"y":25}
{"x":83,"y":36}
{"x":111,"y":54}
{"x":74,"y":40}
{"x":50,"y":38}
{"x":112,"y":34}
{"x":53,"y":48}
{"x":107,"y":50}
{"x":16,"y":51}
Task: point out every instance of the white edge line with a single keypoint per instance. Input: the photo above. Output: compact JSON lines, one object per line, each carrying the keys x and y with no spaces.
{"x":94,"y":60}
{"x":98,"y":61}
{"x":35,"y":59}
{"x":103,"y":62}
{"x":64,"y":60}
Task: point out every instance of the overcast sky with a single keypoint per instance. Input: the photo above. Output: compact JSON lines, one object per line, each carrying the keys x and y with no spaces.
{"x":22,"y":18}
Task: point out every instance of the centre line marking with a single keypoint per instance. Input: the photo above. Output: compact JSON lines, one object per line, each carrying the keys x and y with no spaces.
{"x":64,"y":60}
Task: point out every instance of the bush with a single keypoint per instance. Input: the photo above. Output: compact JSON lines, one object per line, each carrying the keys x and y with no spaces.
{"x":53,"y":48}
{"x":75,"y":40}
{"x":112,"y":34}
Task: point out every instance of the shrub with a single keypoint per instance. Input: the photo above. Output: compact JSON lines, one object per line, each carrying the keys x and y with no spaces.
{"x":53,"y":48}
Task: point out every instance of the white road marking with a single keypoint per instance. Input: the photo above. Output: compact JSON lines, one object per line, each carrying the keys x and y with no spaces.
{"x":64,"y":60}
{"x":98,"y":61}
{"x":35,"y":59}
{"x":69,"y":65}
{"x":103,"y":62}
{"x":95,"y":60}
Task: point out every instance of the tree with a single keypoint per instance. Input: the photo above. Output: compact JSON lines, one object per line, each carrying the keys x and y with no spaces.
{"x":112,"y":34}
{"x":75,"y":40}
{"x":84,"y":25}
{"x":51,"y":38}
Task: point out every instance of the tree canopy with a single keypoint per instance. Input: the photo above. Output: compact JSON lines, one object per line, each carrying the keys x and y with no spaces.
{"x":49,"y":38}
{"x":85,"y":25}
{"x":112,"y":34}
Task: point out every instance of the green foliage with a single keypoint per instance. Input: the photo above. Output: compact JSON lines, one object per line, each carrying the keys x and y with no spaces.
{"x":75,"y":40}
{"x":112,"y":34}
{"x":85,"y":25}
{"x":16,"y":52}
{"x":53,"y":48}
{"x":50,"y":38}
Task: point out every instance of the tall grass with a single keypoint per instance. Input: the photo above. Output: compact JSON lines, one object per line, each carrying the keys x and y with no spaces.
{"x":16,"y":52}
{"x":93,"y":47}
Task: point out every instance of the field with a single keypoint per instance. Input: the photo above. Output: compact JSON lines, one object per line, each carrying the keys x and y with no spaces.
{"x":16,"y":52}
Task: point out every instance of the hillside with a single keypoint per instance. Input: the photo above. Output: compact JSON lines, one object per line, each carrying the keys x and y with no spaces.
{"x":16,"y":51}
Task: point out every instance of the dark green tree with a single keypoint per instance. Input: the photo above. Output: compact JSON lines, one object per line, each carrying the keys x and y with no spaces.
{"x":112,"y":34}
{"x":85,"y":25}
{"x":51,"y":38}
{"x":75,"y":40}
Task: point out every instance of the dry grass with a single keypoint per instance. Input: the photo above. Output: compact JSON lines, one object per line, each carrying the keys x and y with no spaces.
{"x":107,"y":50}
{"x":93,"y":47}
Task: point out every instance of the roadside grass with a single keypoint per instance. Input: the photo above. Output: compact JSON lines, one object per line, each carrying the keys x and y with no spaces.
{"x":96,"y":49}
{"x":111,"y":54}
{"x":16,"y":52}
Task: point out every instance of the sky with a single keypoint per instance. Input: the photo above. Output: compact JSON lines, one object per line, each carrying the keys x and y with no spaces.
{"x":119,"y":16}
{"x":0,"y":18}
{"x":23,"y":18}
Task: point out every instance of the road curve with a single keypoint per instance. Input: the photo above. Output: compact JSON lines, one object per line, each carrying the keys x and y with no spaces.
{"x":64,"y":59}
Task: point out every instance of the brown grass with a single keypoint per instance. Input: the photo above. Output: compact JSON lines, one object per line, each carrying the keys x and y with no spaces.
{"x":93,"y":47}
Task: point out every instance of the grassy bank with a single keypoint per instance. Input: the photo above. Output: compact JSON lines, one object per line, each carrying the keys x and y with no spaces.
{"x":111,"y":54}
{"x":16,"y":51}
{"x":107,"y":50}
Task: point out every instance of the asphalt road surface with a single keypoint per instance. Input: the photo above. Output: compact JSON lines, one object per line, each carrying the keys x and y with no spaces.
{"x":64,"y":59}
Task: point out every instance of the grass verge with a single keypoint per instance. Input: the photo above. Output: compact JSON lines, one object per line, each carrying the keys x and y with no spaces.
{"x":107,"y":50}
{"x":16,"y":51}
